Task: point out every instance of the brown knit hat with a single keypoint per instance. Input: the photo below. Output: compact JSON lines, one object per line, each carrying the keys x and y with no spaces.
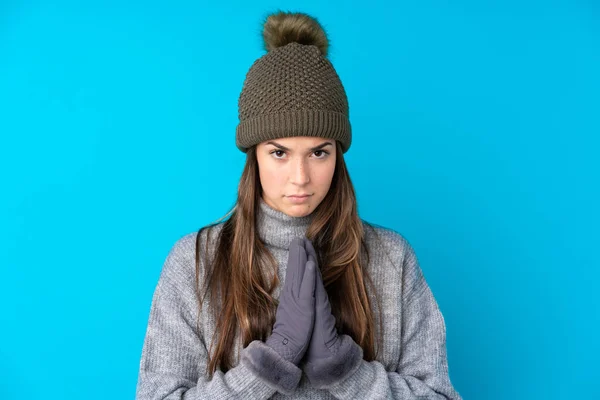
{"x":293,"y":90}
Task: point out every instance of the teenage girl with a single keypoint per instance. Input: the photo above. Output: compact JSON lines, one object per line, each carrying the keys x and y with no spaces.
{"x":294,"y":294}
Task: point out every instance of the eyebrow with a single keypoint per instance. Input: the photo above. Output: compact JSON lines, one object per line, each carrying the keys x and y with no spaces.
{"x":319,"y":147}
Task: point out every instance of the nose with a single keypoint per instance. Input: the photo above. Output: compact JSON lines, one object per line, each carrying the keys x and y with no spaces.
{"x":300,"y":173}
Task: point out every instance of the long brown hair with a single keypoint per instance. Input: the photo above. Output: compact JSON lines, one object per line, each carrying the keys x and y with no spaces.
{"x":240,"y":294}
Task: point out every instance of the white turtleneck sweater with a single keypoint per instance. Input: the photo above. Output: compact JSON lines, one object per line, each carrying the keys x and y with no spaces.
{"x":412,"y":363}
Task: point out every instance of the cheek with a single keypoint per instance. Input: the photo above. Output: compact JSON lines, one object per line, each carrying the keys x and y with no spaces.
{"x":324,"y":175}
{"x":272,"y":177}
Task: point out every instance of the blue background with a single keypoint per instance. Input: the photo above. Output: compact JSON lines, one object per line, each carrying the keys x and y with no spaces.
{"x":475,"y":126}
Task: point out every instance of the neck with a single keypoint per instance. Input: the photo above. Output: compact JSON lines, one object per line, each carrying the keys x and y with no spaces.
{"x":278,"y":229}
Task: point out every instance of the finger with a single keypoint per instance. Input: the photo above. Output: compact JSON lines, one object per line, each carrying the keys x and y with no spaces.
{"x":307,"y":289}
{"x":300,"y":265}
{"x":322,"y":304}
{"x":323,"y":313}
{"x":293,"y":256}
{"x":310,"y":249}
{"x":320,"y":292}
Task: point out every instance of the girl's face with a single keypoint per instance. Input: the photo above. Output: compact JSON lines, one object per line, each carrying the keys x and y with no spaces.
{"x":298,"y":165}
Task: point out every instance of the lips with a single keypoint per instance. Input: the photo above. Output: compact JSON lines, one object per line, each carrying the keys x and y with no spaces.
{"x":298,"y":199}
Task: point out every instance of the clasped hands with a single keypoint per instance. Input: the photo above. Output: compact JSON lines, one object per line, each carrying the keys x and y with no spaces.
{"x":304,"y":331}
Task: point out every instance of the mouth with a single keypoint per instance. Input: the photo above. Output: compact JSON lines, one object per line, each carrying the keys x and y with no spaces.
{"x":298,"y":199}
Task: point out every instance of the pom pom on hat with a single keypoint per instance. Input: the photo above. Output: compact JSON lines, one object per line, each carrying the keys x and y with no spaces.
{"x":282,"y":28}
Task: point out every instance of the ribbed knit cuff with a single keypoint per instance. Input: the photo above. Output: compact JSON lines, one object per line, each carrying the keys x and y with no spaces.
{"x":320,"y":123}
{"x":266,"y":363}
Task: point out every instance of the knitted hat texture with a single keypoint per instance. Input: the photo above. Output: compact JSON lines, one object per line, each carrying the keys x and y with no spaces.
{"x":292,"y":90}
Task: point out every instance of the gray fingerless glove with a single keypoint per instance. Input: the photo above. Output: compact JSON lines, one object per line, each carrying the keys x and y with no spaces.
{"x":330,"y":357}
{"x":276,"y":360}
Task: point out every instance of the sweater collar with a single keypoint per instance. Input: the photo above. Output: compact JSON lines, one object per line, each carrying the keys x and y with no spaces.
{"x":277,"y":229}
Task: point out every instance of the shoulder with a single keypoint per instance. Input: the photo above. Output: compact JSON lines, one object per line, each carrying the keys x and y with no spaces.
{"x":401,"y":254}
{"x":186,"y":244}
{"x":384,"y":239}
{"x":180,"y":262}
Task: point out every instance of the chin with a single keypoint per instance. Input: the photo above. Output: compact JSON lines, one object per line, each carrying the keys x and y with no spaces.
{"x":299,"y":210}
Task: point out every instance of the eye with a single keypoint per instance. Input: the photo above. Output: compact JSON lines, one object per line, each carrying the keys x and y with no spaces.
{"x":326,"y":153}
{"x":277,"y":151}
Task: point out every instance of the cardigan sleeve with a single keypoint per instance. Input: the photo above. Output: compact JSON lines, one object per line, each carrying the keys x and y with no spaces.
{"x":422,"y":371}
{"x":174,"y":354}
